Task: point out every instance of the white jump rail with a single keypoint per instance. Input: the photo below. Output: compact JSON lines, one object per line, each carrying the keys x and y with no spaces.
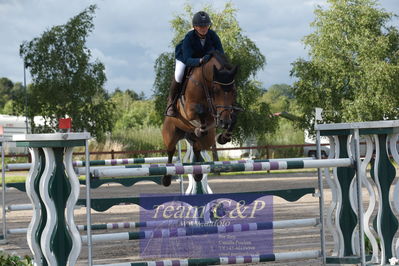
{"x":239,"y":167}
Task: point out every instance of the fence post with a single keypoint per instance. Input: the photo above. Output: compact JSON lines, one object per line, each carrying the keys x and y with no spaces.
{"x":267,"y":154}
{"x":215,"y":153}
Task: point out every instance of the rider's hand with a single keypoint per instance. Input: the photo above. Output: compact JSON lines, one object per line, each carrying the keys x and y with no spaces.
{"x":205,"y":59}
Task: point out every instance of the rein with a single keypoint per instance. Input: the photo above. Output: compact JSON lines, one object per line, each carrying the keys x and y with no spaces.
{"x":209,"y":99}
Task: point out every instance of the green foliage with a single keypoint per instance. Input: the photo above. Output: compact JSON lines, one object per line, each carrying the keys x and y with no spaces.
{"x":129,"y":93}
{"x":6,"y":86}
{"x":136,"y":122}
{"x":9,"y":93}
{"x":164,"y":73}
{"x":11,"y":260}
{"x":132,"y":113}
{"x":65,"y":82}
{"x":144,"y":138}
{"x":280,"y":99}
{"x":241,"y":50}
{"x":353,"y":70}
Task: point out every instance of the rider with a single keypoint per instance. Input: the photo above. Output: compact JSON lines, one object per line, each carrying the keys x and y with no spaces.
{"x":192,"y":51}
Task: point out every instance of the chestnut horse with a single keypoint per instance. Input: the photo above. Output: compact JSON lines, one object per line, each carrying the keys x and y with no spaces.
{"x":206,"y":103}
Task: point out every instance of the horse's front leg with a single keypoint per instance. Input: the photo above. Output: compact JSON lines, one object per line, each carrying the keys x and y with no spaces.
{"x":201,"y":131}
{"x":167,"y":179}
{"x":225,"y":137}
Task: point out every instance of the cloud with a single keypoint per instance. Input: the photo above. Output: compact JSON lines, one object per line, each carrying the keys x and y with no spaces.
{"x":108,"y":60}
{"x":130,"y":35}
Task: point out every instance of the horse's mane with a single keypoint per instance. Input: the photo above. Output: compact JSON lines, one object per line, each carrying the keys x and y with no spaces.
{"x":222,"y":59}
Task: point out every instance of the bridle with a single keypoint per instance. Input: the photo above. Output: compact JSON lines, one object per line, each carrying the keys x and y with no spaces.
{"x":215,"y":110}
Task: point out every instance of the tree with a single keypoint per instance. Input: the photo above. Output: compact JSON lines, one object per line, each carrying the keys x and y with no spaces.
{"x":6,"y":86}
{"x":65,"y":82}
{"x":278,"y":97}
{"x":136,"y":125}
{"x":9,"y":93}
{"x":132,"y":112}
{"x":353,"y":71}
{"x":242,"y":52}
{"x":129,"y":93}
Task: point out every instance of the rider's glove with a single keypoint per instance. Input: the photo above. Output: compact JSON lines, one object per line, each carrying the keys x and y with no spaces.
{"x":205,"y":59}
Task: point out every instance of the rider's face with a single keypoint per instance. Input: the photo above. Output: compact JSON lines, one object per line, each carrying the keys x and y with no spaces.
{"x":203,"y":30}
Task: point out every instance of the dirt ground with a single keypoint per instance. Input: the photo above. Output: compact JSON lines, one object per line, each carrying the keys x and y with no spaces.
{"x":285,"y":240}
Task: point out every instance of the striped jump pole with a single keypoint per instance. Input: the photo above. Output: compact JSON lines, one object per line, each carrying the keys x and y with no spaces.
{"x":237,"y":167}
{"x":203,"y":230}
{"x":110,"y":226}
{"x":283,"y":256}
{"x":81,"y":170}
{"x":124,"y":161}
{"x":216,"y":162}
{"x":153,"y":160}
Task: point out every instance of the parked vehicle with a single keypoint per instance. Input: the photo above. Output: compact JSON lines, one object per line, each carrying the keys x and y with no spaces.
{"x":311,"y":151}
{"x":12,"y":125}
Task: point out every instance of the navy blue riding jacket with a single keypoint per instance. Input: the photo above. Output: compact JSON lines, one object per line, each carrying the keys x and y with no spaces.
{"x":190,"y":51}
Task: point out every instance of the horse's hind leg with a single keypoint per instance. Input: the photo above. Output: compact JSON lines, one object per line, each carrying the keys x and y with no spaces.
{"x":171,"y":135}
{"x":167,"y":179}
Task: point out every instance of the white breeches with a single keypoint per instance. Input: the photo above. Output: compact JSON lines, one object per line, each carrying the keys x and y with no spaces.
{"x":179,"y":71}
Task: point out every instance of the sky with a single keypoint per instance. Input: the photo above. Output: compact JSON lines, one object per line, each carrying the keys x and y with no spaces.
{"x":129,"y":35}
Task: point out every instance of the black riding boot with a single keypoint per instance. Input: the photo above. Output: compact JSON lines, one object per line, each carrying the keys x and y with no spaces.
{"x":173,"y":92}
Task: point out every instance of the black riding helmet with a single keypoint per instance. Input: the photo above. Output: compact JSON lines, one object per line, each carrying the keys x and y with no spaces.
{"x":201,"y":18}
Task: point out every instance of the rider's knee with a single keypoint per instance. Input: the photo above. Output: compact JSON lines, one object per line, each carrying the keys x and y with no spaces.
{"x":179,"y":71}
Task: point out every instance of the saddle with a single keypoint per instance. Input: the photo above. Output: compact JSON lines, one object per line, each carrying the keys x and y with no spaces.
{"x":187,"y":73}
{"x":180,"y":99}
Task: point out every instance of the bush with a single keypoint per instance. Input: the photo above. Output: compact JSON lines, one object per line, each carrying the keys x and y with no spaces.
{"x":11,"y":260}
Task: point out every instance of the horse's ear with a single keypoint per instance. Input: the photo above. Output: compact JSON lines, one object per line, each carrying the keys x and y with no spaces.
{"x":234,"y":70}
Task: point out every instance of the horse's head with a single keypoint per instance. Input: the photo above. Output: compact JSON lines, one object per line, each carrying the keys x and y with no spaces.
{"x":224,"y":94}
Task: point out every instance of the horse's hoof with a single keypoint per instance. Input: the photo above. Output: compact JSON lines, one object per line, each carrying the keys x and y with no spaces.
{"x":198,"y":132}
{"x":223,"y":139}
{"x":198,"y":177}
{"x":93,"y":177}
{"x":166,"y":180}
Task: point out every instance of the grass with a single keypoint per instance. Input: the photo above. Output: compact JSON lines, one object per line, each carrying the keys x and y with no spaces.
{"x":15,"y":179}
{"x":148,"y":138}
